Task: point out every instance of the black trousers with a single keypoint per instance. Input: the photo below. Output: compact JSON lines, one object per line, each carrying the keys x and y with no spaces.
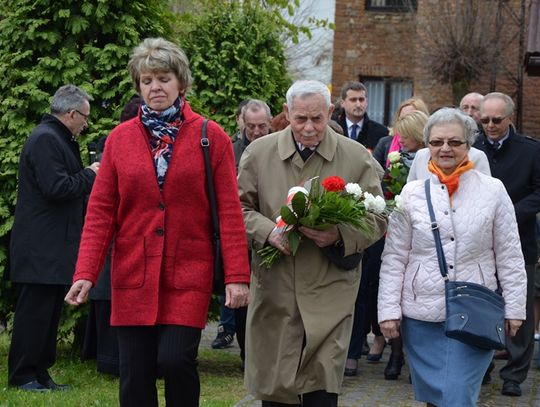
{"x":240,"y":317}
{"x":521,"y":347}
{"x":35,"y":325}
{"x":100,"y":339}
{"x":170,"y":350}
{"x":319,"y":398}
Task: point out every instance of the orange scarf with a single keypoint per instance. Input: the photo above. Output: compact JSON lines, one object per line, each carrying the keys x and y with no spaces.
{"x":451,"y":181}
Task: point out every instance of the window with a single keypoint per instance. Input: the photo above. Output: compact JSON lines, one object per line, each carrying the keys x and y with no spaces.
{"x":391,"y":5}
{"x":384,"y":96}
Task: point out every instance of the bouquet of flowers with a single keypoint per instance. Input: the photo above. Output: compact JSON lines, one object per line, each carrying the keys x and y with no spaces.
{"x":395,"y":177}
{"x":307,"y":205}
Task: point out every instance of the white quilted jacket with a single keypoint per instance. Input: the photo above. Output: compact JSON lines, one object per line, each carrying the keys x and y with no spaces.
{"x":479,"y":235}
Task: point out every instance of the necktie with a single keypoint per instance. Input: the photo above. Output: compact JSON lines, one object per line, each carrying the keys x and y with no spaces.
{"x":496,"y":145}
{"x":354,"y":131}
{"x":305,"y":153}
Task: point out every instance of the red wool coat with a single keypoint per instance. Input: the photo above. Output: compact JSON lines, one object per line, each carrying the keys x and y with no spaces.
{"x":162,"y":250}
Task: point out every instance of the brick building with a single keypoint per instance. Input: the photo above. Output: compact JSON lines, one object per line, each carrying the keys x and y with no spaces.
{"x":386,"y":44}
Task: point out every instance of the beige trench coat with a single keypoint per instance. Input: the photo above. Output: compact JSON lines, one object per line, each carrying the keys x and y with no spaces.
{"x":301,"y":298}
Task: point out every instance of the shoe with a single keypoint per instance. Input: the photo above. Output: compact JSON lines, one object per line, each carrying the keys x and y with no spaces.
{"x":34,"y":386}
{"x":52,"y":385}
{"x":511,"y":388}
{"x":365,"y":348}
{"x":487,"y":375}
{"x":223,"y":340}
{"x":501,"y":355}
{"x":393,"y":368}
{"x":375,"y":357}
{"x":351,"y":367}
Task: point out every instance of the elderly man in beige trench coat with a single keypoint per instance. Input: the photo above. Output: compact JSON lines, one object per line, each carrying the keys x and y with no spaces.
{"x":299,"y":323}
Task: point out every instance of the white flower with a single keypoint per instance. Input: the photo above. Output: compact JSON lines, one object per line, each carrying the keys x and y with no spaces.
{"x":394,"y":157}
{"x":374,"y":204}
{"x":353,"y":189}
{"x":398,"y":200}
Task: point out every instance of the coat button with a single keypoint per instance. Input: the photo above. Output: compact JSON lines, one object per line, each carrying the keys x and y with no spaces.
{"x":450,"y":266}
{"x":161,"y":206}
{"x":451,"y":239}
{"x":446,"y":212}
{"x":160,"y":232}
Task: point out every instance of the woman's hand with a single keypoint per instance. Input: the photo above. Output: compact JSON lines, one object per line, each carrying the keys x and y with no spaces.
{"x":78,"y":293}
{"x":512,"y":326}
{"x":390,"y":329}
{"x":236,"y":295}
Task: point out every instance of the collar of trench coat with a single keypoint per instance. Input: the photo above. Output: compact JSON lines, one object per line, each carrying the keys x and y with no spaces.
{"x":326,"y":148}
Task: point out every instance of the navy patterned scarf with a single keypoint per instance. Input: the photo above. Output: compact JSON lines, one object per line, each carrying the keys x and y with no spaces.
{"x":163,"y":127}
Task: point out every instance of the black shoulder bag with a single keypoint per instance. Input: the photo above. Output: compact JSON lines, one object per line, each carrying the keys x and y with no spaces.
{"x":218,"y":278}
{"x":474,"y":313}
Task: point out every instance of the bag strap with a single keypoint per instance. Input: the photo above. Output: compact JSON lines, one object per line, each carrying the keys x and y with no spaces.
{"x":205,"y":143}
{"x":436,"y":235}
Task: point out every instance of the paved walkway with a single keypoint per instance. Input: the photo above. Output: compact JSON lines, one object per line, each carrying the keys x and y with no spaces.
{"x":369,"y":389}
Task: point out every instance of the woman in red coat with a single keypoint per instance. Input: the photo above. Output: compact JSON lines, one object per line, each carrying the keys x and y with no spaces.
{"x":151,"y":196}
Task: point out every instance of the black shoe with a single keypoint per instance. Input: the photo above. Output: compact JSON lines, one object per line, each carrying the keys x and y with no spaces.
{"x":393,"y":368}
{"x":511,"y":388}
{"x":52,"y":385}
{"x":351,"y":368}
{"x":487,"y":375}
{"x":34,"y":386}
{"x":223,"y":340}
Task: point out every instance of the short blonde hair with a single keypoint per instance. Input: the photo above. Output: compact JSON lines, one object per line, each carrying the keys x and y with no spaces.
{"x":415,"y":102}
{"x":159,"y":55}
{"x":412,"y":126}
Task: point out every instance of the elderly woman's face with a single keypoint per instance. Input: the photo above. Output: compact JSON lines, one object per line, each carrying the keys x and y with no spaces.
{"x":446,"y":157}
{"x":159,"y":89}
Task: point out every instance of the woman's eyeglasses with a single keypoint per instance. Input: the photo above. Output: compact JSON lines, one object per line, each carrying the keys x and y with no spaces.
{"x":451,"y":143}
{"x":494,"y":120}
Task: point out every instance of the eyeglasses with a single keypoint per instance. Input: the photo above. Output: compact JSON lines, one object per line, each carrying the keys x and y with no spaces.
{"x":86,"y":116}
{"x":494,"y":120}
{"x":451,"y":143}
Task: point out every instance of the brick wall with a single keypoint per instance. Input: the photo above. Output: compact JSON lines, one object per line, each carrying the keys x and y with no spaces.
{"x":389,"y":44}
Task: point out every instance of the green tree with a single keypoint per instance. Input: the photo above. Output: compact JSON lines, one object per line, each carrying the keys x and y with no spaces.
{"x":47,"y":43}
{"x":235,"y":54}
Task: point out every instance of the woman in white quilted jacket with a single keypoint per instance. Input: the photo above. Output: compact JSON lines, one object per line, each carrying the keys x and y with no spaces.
{"x":480,"y":240}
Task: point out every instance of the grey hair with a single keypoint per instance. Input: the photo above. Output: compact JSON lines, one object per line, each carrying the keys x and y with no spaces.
{"x":448,"y":115}
{"x":509,"y":109}
{"x":254,"y":105}
{"x":305,"y":88}
{"x":159,"y":55}
{"x":68,"y":98}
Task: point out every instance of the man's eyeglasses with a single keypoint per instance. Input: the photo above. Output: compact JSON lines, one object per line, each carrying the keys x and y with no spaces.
{"x":86,"y":116}
{"x":494,"y":120}
{"x":451,"y":143}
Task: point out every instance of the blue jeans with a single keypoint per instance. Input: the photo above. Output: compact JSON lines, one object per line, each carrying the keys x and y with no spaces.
{"x":226,"y":316}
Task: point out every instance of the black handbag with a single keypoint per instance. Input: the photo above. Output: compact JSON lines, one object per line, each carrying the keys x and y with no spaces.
{"x":218,"y":276}
{"x":474,"y":313}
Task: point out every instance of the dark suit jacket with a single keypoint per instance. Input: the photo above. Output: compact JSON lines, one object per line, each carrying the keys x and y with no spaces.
{"x":369,"y":135}
{"x":53,"y":186}
{"x":517,"y":165}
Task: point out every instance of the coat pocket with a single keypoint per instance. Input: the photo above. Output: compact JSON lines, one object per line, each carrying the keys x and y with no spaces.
{"x":128,"y":263}
{"x":193,"y":265}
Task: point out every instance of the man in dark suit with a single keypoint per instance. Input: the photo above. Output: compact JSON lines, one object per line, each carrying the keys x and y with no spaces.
{"x":45,"y":237}
{"x":515,"y":160}
{"x":354,"y":120}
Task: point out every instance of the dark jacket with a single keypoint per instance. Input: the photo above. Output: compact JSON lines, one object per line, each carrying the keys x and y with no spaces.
{"x":369,"y":135}
{"x":381,"y":150}
{"x":49,"y":214}
{"x":239,"y":145}
{"x":517,"y":165}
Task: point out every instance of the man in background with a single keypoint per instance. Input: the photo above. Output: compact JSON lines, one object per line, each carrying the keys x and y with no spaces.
{"x":53,"y":185}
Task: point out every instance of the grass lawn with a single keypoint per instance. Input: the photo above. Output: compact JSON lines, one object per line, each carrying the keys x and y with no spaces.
{"x":221,"y":382}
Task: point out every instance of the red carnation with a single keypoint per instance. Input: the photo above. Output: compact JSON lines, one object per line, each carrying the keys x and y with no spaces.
{"x":333,"y":184}
{"x":388,"y":195}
